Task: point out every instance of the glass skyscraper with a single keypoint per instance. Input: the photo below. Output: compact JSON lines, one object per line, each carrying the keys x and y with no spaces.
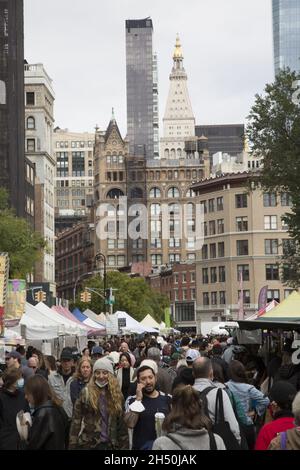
{"x":286,"y":34}
{"x":141,"y":82}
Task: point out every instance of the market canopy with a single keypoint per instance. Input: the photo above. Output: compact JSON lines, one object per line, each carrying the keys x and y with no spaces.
{"x":98,"y":328}
{"x":132,"y":325}
{"x":93,"y":316}
{"x":149,"y":321}
{"x":35,"y":326}
{"x":288,"y":310}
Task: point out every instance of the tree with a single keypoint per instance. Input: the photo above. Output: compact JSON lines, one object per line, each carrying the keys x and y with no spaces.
{"x":274,"y":133}
{"x":17,"y":238}
{"x":132,"y":295}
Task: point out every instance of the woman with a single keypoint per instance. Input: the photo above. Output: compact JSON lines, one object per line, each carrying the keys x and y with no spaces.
{"x":12,"y":400}
{"x":186,"y":426}
{"x":81,"y":377}
{"x":50,"y":363}
{"x":289,"y":439}
{"x":97,"y":421}
{"x":86,"y":353}
{"x":49,"y":430}
{"x":252,"y":400}
{"x":125,"y":374}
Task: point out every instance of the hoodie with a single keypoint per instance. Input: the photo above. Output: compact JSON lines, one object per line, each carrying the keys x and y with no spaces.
{"x":189,"y":439}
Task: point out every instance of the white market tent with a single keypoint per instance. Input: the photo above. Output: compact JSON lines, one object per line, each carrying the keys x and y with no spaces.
{"x":36,"y":326}
{"x":93,"y":316}
{"x":149,"y":321}
{"x":71,"y":327}
{"x":132,"y":325}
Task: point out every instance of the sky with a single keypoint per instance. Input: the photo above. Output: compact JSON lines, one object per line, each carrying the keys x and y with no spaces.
{"x":227,"y":48}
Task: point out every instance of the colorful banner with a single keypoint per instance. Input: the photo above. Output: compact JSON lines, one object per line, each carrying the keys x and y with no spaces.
{"x":241,"y":298}
{"x":167,"y":317}
{"x":263,"y":297}
{"x":4,"y":269}
{"x":15,"y":302}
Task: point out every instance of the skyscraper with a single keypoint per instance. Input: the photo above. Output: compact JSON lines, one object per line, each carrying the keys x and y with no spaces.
{"x":142,"y":102}
{"x":286,"y":34}
{"x":12,"y":160}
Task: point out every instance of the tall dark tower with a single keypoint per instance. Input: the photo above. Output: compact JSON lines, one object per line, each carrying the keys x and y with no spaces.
{"x":12,"y":159}
{"x":286,"y":34}
{"x":142,"y":90}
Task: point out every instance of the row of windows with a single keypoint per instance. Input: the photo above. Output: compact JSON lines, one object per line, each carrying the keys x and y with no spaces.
{"x":219,"y":274}
{"x":183,"y":277}
{"x":156,"y":259}
{"x":241,"y":201}
{"x":186,"y":294}
{"x":74,"y":144}
{"x":214,"y":227}
{"x":242,"y":248}
{"x":81,"y":182}
{"x":219,"y":298}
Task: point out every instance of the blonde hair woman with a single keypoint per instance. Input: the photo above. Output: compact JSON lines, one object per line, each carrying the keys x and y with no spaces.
{"x":81,"y":377}
{"x":97,"y":421}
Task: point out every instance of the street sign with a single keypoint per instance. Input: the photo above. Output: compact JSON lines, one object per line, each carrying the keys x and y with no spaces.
{"x":122,"y":322}
{"x":112,"y":324}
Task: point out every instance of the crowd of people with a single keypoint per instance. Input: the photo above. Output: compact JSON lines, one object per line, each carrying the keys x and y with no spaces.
{"x":146,"y":392}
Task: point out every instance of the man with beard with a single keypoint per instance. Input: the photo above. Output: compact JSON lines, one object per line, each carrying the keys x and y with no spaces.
{"x":140,"y":409}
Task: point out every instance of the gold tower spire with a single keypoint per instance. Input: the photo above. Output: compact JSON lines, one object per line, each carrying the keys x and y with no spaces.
{"x":178,"y":51}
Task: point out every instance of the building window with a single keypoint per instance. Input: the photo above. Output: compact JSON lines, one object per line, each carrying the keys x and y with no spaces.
{"x":213,"y":275}
{"x":241,"y":201}
{"x":205,"y":228}
{"x":205,"y":252}
{"x":155,"y":243}
{"x":30,"y":123}
{"x":155,"y":209}
{"x":242,"y":247}
{"x":270,"y":200}
{"x":271,"y":247}
{"x":211,"y":205}
{"x":203,"y":207}
{"x":30,"y":101}
{"x":212,"y":227}
{"x":272,"y":272}
{"x":176,"y":294}
{"x":286,"y":199}
{"x":222,"y":295}
{"x":77,"y":163}
{"x":213,"y":296}
{"x":184,"y":294}
{"x":137,"y":244}
{"x":246,"y":296}
{"x":174,"y":258}
{"x":174,"y":242}
{"x":173,"y":192}
{"x":121,"y":260}
{"x":154,"y":193}
{"x":110,"y":244}
{"x":241,"y":224}
{"x":212,"y":250}
{"x":220,"y":203}
{"x":205,"y":298}
{"x":30,"y":145}
{"x":176,"y":278}
{"x":221,"y":250}
{"x":222,"y":276}
{"x":220,"y":224}
{"x":244,"y":270}
{"x":193,"y":294}
{"x":193,"y":276}
{"x":205,"y":276}
{"x":156,"y":259}
{"x":270,"y":222}
{"x":111,"y":260}
{"x":273,"y":294}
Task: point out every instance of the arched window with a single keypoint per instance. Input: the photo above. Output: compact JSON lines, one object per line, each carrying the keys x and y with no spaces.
{"x":154,"y":193}
{"x":179,"y":153}
{"x":173,"y":192}
{"x":136,"y":193}
{"x":30,"y":122}
{"x":190,"y":193}
{"x":166,"y":153}
{"x":114,"y":193}
{"x":190,"y":209}
{"x":174,"y":208}
{"x":173,"y":154}
{"x":155,"y":209}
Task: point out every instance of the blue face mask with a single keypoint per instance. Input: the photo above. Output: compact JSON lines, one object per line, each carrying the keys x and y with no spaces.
{"x":20,"y":383}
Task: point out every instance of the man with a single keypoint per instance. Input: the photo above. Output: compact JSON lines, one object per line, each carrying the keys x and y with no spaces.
{"x":203,"y":373}
{"x":33,"y":363}
{"x":61,"y":379}
{"x":140,"y":409}
{"x":125,"y":348}
{"x":164,"y":380}
{"x":97,"y":353}
{"x":13,"y":361}
{"x":191,"y":356}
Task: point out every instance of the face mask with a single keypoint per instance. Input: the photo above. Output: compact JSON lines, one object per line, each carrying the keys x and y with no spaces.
{"x":20,"y":383}
{"x":101,"y":385}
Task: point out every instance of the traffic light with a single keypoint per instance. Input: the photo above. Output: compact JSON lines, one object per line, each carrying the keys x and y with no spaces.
{"x":82,"y":297}
{"x":40,"y":296}
{"x":85,"y":296}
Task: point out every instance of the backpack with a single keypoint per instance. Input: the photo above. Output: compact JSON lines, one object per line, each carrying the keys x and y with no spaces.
{"x":212,"y":441}
{"x":220,"y":426}
{"x":283,"y":439}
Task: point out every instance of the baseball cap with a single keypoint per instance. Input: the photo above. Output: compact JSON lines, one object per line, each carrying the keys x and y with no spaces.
{"x":192,"y":355}
{"x":14,"y":354}
{"x":97,"y":350}
{"x":66,"y":355}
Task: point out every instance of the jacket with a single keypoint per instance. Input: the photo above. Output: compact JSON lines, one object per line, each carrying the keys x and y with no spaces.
{"x":189,"y":439}
{"x":270,"y":430}
{"x":86,"y":427}
{"x":62,"y":390}
{"x":290,"y":373}
{"x":202,"y":384}
{"x":49,"y":430}
{"x":75,"y":388}
{"x":10,"y":404}
{"x":292,"y":441}
{"x":249,"y":397}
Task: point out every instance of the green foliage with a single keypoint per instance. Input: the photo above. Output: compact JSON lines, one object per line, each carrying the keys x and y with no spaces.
{"x":274,"y":133}
{"x":17,"y":238}
{"x":133,"y":295}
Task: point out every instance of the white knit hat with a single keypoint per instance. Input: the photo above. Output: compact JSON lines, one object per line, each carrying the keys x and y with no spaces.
{"x":104,"y":363}
{"x":151,"y":364}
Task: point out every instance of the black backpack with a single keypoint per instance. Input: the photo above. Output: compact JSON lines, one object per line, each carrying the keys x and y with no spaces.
{"x":220,"y":426}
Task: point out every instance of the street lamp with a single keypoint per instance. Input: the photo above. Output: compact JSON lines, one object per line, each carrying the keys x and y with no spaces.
{"x":101,"y":257}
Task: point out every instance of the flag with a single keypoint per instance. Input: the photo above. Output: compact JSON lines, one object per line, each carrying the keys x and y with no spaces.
{"x":167,"y":317}
{"x":241,"y":298}
{"x":262,"y":297}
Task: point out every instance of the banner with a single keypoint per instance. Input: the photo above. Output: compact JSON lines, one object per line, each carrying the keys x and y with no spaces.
{"x":241,"y":299}
{"x":167,"y":317}
{"x":4,"y":269}
{"x":15,"y":302}
{"x":263,"y":297}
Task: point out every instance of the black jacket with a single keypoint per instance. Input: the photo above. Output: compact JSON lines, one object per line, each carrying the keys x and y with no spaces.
{"x":10,"y":404}
{"x":50,"y":428}
{"x":75,"y":388}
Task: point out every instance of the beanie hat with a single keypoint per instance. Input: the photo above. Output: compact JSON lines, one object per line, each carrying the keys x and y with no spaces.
{"x":283,"y":393}
{"x":105,"y":363}
{"x":150,"y":364}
